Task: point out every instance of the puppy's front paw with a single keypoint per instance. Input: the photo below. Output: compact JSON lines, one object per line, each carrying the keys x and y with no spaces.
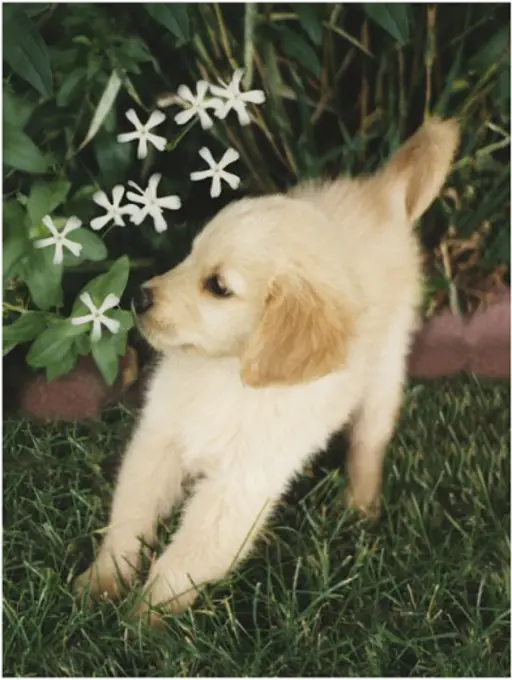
{"x":366,"y":504}
{"x":102,"y":581}
{"x":165,"y":594}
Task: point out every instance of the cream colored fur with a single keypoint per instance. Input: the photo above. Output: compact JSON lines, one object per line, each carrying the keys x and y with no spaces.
{"x":325,"y":286}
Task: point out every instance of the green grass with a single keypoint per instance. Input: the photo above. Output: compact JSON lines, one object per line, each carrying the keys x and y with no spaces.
{"x":425,"y":591}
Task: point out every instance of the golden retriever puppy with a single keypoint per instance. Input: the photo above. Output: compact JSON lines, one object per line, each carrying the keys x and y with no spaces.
{"x":292,"y":316}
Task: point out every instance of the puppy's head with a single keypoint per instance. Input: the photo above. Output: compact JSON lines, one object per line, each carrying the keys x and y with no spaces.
{"x":254,"y":287}
{"x":263,"y":281}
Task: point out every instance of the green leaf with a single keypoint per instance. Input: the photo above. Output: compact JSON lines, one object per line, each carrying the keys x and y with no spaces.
{"x":52,"y":344}
{"x":173,"y":16}
{"x":297,"y":47}
{"x":93,"y":248}
{"x":34,"y":9}
{"x":26,"y":53}
{"x":105,"y":356}
{"x":491,"y":52}
{"x":105,"y":104}
{"x":26,"y":327}
{"x":120,"y":340}
{"x":136,"y":49}
{"x":63,"y":365}
{"x":20,"y":152}
{"x":71,"y":85}
{"x":498,"y":251}
{"x":45,"y":197}
{"x":83,"y":343}
{"x":392,"y":17}
{"x":114,"y":281}
{"x":125,"y":319}
{"x":15,"y":238}
{"x":43,"y":278}
{"x":310,"y":19}
{"x":503,"y":83}
{"x":113,"y":159}
{"x":17,"y":110}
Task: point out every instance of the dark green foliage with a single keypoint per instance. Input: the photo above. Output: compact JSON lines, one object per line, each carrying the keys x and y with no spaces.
{"x":345,"y":84}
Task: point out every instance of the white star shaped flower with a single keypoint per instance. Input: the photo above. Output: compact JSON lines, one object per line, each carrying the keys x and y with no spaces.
{"x":234,"y":99}
{"x":115,"y":210}
{"x":142,"y":133}
{"x":58,"y":238}
{"x":97,"y":315}
{"x":196,"y":105}
{"x":152,"y":204}
{"x":217,"y":171}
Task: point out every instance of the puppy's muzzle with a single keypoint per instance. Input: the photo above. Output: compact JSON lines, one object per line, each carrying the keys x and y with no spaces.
{"x":142,"y":300}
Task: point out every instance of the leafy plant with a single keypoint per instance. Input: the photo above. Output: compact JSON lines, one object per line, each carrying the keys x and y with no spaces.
{"x":344,"y":85}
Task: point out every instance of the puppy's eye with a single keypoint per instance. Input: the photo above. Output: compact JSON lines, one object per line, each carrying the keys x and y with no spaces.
{"x":216,"y":286}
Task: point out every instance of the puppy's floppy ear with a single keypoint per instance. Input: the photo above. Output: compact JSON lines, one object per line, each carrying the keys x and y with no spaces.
{"x":420,"y":166}
{"x":302,"y":335}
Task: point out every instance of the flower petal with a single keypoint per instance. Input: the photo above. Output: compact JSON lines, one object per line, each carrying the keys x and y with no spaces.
{"x":159,"y":220}
{"x":231,"y":179}
{"x":96,"y":330}
{"x":206,"y":154}
{"x":205,"y":119}
{"x":101,"y":199}
{"x":142,"y":149}
{"x":222,"y":111}
{"x":201,"y":174}
{"x":220,"y":91}
{"x":134,"y":119}
{"x":155,"y":119}
{"x":230,"y":156}
{"x":80,"y":320}
{"x":48,"y":223}
{"x":113,"y":325}
{"x":44,"y":242}
{"x":131,"y":183}
{"x":202,"y":89}
{"x":215,"y":188}
{"x":99,"y":222}
{"x":117,"y":195}
{"x":139,"y":216}
{"x":73,"y":247}
{"x":234,"y":85}
{"x":58,"y":255}
{"x":128,"y":137}
{"x":136,"y":198}
{"x":184,"y":92}
{"x":128,"y":209}
{"x":254,"y":96}
{"x":110,"y":301}
{"x":153,"y":183}
{"x":169,"y":202}
{"x":243,"y":115}
{"x":72,"y":223}
{"x":184,"y":116}
{"x":158,"y":142}
{"x":86,"y":299}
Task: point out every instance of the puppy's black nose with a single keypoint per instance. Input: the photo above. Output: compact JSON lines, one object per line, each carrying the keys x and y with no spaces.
{"x":142,"y":300}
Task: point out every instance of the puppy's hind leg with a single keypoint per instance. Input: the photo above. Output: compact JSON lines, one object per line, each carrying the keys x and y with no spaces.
{"x":148,"y":486}
{"x":374,"y":422}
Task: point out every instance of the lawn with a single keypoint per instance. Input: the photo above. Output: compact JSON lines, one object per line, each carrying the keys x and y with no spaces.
{"x":424,"y":591}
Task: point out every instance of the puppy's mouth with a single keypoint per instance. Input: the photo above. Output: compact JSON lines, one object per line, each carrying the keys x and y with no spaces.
{"x":161,"y":338}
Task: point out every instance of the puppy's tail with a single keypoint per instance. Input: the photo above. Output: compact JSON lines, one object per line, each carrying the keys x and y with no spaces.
{"x":420,"y":166}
